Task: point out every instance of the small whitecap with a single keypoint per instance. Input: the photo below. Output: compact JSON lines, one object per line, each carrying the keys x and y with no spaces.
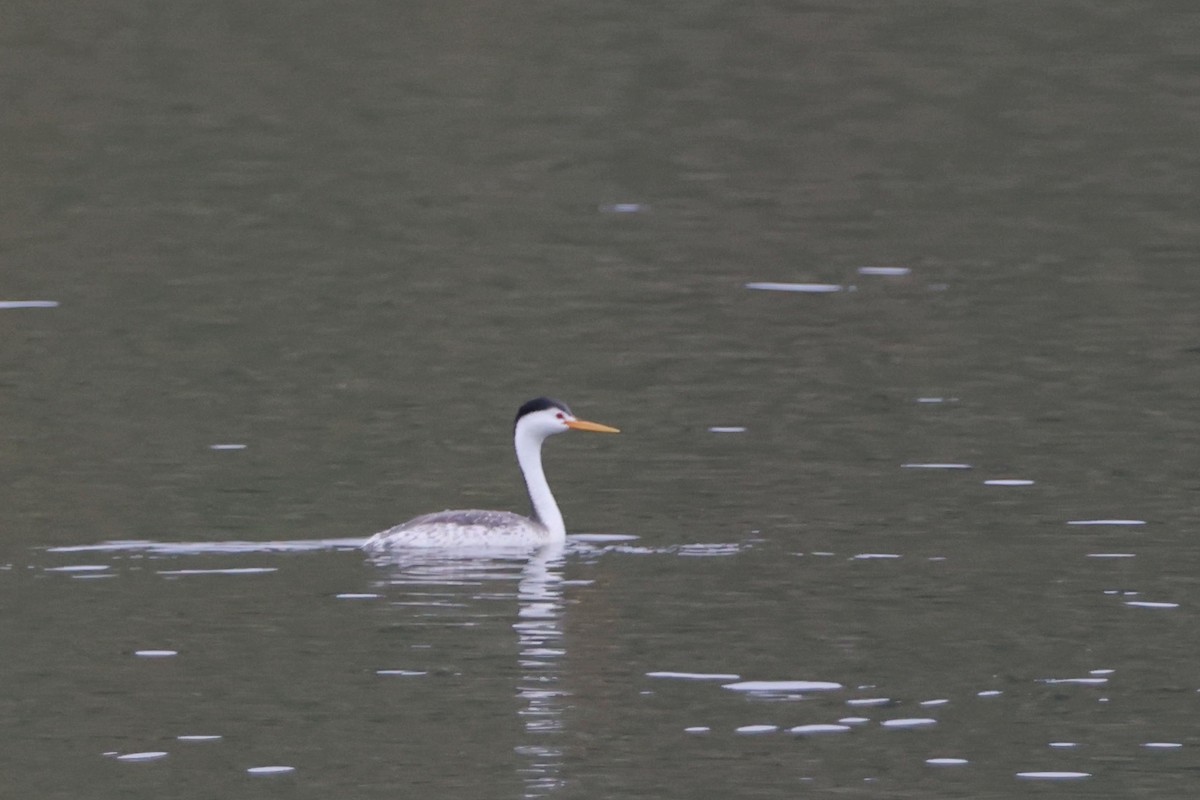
{"x":934,"y":465}
{"x":278,"y":770}
{"x":946,"y":762}
{"x":1064,"y":745}
{"x":227,"y":571}
{"x":708,"y":549}
{"x":756,"y":729}
{"x":227,"y":447}
{"x":155,"y":653}
{"x":1149,"y":604}
{"x":8,"y":304}
{"x":1126,"y":522}
{"x":854,"y":720}
{"x":909,"y":722}
{"x":817,"y":730}
{"x":989,"y":693}
{"x":869,"y":701}
{"x":356,"y":596}
{"x":405,"y":673}
{"x":602,"y":537}
{"x":868,"y":556}
{"x":887,"y":272}
{"x":1053,"y":776}
{"x":1112,"y":555}
{"x":149,"y":755}
{"x":941,"y":701}
{"x":695,"y":676}
{"x":727,"y":429}
{"x":807,"y":288}
{"x":1163,"y":745}
{"x":774,"y":687}
{"x":199,"y":737}
{"x":697,"y":729}
{"x":1008,"y":482}
{"x":1080,"y":681}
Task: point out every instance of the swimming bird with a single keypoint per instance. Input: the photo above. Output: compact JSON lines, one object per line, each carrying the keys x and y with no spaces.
{"x":536,"y":421}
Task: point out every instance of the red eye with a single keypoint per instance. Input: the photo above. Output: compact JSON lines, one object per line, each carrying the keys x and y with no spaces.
{"x":559,"y":415}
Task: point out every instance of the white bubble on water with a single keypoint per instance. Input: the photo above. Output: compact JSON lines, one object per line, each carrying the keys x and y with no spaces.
{"x":804,"y":288}
{"x":816,"y":730}
{"x":909,"y":722}
{"x":274,"y":770}
{"x":695,"y":676}
{"x":149,"y":755}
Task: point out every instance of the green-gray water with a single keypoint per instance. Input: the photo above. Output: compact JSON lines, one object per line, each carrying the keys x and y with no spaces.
{"x":354,"y":237}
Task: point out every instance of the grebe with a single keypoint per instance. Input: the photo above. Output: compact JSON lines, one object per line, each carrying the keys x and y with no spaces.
{"x":537,"y":420}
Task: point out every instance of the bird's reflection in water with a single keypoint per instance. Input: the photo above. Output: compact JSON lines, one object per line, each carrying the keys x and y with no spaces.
{"x":538,"y":626}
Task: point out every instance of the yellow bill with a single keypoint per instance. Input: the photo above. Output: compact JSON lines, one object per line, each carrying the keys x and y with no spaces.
{"x":584,"y":425}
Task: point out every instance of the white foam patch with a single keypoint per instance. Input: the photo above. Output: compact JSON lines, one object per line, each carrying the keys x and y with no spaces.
{"x":9,"y":304}
{"x":695,"y":676}
{"x":149,"y":755}
{"x":207,"y":548}
{"x":935,"y":465}
{"x":1126,"y":522}
{"x":886,"y":272}
{"x":818,"y":730}
{"x":602,"y":537}
{"x":854,"y":720}
{"x":909,"y":722}
{"x":805,"y":288}
{"x":227,"y":571}
{"x":776,"y":687}
{"x":623,"y":208}
{"x":941,"y":701}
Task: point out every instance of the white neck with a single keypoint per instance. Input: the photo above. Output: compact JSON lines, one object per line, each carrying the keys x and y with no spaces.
{"x":545,"y":510}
